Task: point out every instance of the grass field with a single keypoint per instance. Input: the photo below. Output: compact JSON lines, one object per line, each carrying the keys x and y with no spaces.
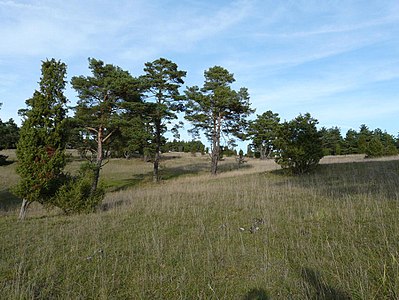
{"x":249,"y":233}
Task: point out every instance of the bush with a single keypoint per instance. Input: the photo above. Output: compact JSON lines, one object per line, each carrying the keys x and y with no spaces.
{"x":299,"y":145}
{"x":74,"y":195}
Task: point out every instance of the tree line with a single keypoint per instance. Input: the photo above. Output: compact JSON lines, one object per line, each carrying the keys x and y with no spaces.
{"x":265,"y":133}
{"x":9,"y":136}
{"x":122,"y":115}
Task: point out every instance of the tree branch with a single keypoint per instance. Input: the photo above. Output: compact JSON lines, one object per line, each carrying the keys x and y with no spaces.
{"x":92,"y":129}
{"x":108,"y":135}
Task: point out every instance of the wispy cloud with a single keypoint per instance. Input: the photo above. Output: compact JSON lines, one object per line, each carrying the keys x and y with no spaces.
{"x":332,"y":81}
{"x":74,"y":27}
{"x":298,"y":32}
{"x":186,"y":28}
{"x":20,"y":5}
{"x":64,"y":28}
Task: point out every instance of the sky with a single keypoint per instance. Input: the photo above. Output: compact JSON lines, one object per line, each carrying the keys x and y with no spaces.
{"x":337,"y":60}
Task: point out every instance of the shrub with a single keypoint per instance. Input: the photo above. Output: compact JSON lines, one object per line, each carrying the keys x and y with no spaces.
{"x":299,"y":144}
{"x":74,"y":195}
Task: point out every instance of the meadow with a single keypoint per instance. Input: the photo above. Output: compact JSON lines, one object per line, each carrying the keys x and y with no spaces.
{"x":249,"y":233}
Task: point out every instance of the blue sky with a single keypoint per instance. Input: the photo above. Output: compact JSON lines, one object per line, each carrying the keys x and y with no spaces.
{"x":338,"y":60}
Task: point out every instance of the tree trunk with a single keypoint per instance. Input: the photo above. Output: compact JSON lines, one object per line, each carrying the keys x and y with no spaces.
{"x":262,"y":152}
{"x":215,"y":159}
{"x":268,"y":152}
{"x":96,"y":177}
{"x":24,"y":209}
{"x":156,"y":168}
{"x":157,"y":156}
{"x":216,"y":145}
{"x":99,"y":160}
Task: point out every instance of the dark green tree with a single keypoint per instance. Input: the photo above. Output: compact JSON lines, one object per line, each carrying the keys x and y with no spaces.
{"x":183,"y":146}
{"x":263,"y":131}
{"x":299,"y":144}
{"x":131,"y":139}
{"x":162,"y":80}
{"x":100,"y":100}
{"x":381,"y":144}
{"x":389,"y":143}
{"x":41,"y":148}
{"x":374,"y":147}
{"x":135,"y":134}
{"x":364,"y":137}
{"x":216,"y":109}
{"x":351,"y":142}
{"x":332,"y":140}
{"x":9,"y":134}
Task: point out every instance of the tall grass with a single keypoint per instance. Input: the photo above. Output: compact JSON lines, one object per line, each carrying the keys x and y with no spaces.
{"x":252,"y":233}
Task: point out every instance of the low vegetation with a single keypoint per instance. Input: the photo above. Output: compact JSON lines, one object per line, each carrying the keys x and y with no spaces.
{"x":249,"y":233}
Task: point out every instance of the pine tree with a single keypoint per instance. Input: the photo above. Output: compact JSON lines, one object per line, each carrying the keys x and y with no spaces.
{"x":101,"y":98}
{"x":217,"y":110}
{"x":374,"y":148}
{"x":332,"y":140}
{"x":162,"y":80}
{"x":365,"y":136}
{"x":264,"y":132}
{"x":9,"y":134}
{"x":351,"y":142}
{"x":41,"y":148}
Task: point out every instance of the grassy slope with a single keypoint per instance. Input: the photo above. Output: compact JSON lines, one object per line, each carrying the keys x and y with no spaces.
{"x":331,"y":234}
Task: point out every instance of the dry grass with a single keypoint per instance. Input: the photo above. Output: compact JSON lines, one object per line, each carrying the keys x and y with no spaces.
{"x":252,"y":233}
{"x":352,"y":158}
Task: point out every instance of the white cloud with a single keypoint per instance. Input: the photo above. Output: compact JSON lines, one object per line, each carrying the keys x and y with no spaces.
{"x":20,"y":5}
{"x":185,"y":28}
